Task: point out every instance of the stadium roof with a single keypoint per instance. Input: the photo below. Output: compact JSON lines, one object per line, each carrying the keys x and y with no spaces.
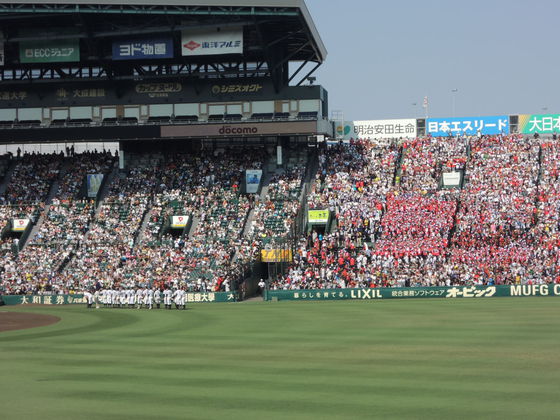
{"x":196,"y":7}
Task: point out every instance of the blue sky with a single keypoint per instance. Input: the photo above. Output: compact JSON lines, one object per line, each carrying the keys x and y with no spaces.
{"x":501,"y":56}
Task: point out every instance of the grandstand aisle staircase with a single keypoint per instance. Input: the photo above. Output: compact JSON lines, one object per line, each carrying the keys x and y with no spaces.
{"x":143,"y":225}
{"x":50,"y":196}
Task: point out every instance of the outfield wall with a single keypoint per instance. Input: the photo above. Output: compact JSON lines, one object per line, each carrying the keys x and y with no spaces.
{"x":198,"y":297}
{"x":416,"y":292}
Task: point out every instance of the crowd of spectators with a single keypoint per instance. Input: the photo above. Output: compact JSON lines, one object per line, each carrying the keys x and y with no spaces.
{"x":502,"y":228}
{"x":391,"y":224}
{"x":425,"y":159}
{"x":276,"y":212}
{"x":32,"y":178}
{"x":66,"y":220}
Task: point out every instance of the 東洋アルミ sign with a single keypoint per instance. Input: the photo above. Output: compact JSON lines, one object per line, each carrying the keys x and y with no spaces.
{"x":240,"y":129}
{"x":470,"y":126}
{"x":215,"y":41}
{"x":143,"y":49}
{"x":50,"y":51}
{"x":541,"y":124}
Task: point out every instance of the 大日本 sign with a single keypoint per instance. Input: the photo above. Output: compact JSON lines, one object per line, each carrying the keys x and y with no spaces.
{"x":542,"y":124}
{"x":443,"y":127}
{"x":143,"y":49}
{"x":212,"y":42}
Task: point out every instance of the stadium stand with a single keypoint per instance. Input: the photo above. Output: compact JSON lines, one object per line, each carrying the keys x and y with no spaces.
{"x":392,"y":223}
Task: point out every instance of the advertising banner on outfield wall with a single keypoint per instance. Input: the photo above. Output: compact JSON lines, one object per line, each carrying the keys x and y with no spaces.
{"x":198,"y":297}
{"x":468,"y":292}
{"x":44,"y":300}
{"x":252,"y":180}
{"x":139,"y":49}
{"x":470,"y":126}
{"x":47,"y":51}
{"x":542,"y":124}
{"x":215,"y":41}
{"x":376,"y":129}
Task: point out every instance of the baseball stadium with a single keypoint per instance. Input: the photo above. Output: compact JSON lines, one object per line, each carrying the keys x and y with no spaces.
{"x":187,"y":230}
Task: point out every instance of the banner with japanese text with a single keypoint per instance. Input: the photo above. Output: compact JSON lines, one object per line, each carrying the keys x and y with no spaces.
{"x":375,"y":129}
{"x":50,"y":51}
{"x":416,"y":292}
{"x":143,"y":49}
{"x":318,"y":217}
{"x":541,"y":124}
{"x":470,"y":126}
{"x":190,"y":297}
{"x":215,"y":41}
{"x":43,"y":299}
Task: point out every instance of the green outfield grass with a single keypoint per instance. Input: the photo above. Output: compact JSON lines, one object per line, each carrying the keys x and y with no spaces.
{"x":449,"y":359}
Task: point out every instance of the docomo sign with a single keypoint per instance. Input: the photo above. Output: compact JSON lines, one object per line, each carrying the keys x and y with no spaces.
{"x":238,"y":130}
{"x":241,"y":129}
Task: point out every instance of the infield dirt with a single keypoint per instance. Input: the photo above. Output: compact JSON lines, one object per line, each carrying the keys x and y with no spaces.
{"x":10,"y":321}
